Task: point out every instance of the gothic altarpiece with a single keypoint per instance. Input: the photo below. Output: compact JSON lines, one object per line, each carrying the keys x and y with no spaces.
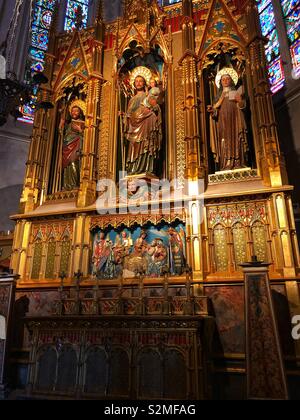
{"x":179,"y":93}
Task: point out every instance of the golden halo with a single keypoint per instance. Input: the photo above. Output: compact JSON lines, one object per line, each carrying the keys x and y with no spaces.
{"x":143,"y":72}
{"x":79,"y":104}
{"x":227,"y":71}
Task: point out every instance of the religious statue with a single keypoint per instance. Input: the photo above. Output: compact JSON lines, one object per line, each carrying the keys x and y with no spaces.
{"x":143,"y":124}
{"x":102,"y":250}
{"x":177,"y":248}
{"x":227,"y":123}
{"x":148,"y":251}
{"x":72,"y":132}
{"x":158,"y":257}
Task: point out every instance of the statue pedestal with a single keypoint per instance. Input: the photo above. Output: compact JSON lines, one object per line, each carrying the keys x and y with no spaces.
{"x":136,"y":189}
{"x":265,"y":369}
{"x":7,"y":297}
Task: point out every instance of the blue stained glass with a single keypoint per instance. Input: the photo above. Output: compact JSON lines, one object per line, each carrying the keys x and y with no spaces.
{"x":267,"y":20}
{"x":276,"y":75}
{"x":47,"y":4}
{"x":291,"y":13}
{"x":40,"y":33}
{"x":72,"y":9}
{"x":295,"y":53}
{"x":293,"y":25}
{"x":42,"y":17}
{"x":272,"y":48}
{"x":40,"y":38}
{"x":36,"y":54}
{"x":39,"y":44}
{"x":288,"y":6}
{"x":37,"y":67}
{"x":262,"y":4}
{"x":168,"y":2}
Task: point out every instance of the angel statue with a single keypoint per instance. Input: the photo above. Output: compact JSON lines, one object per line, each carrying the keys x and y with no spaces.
{"x":227,"y":123}
{"x":72,"y":134}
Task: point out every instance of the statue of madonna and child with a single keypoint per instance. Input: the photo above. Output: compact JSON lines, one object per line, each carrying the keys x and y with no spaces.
{"x":143,"y":124}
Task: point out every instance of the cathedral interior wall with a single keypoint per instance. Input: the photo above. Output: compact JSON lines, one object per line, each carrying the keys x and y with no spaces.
{"x":14,"y":147}
{"x":36,"y":295}
{"x":287,"y":114}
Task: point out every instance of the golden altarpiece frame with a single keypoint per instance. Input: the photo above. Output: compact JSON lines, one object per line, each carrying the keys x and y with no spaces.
{"x":247,"y":210}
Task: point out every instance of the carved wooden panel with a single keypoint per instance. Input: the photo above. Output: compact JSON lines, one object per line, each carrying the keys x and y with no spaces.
{"x":65,"y":256}
{"x":239,"y":244}
{"x":50,"y":249}
{"x":37,"y":261}
{"x":260,"y":241}
{"x":46,"y":372}
{"x":96,"y":371}
{"x":237,"y":230}
{"x":221,"y":248}
{"x":117,"y":357}
{"x":50,"y":260}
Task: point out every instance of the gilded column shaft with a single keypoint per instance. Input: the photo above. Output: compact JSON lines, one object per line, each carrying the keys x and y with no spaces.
{"x":190,"y":81}
{"x":192,"y":134}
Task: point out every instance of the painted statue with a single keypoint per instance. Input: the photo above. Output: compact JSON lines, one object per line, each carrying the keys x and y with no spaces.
{"x":143,"y":125}
{"x":158,"y":257}
{"x":150,"y":252}
{"x":102,"y":252}
{"x":126,"y":242}
{"x":177,"y":251}
{"x":227,"y":124}
{"x":73,"y":133}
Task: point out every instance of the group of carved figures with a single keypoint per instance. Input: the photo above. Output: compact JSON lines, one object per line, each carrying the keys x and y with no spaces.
{"x":144,"y":252}
{"x":143,"y":128}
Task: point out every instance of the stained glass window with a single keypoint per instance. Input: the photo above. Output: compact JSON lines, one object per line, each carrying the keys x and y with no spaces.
{"x":268,"y":28}
{"x":41,"y":23}
{"x":291,"y":14}
{"x":72,"y":11}
{"x":168,"y":2}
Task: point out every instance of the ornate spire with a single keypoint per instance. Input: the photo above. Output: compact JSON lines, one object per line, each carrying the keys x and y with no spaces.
{"x":135,"y":11}
{"x":99,"y":22}
{"x":187,"y":8}
{"x":99,"y":17}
